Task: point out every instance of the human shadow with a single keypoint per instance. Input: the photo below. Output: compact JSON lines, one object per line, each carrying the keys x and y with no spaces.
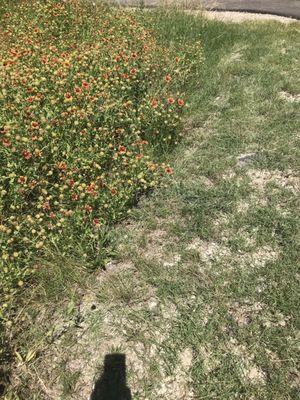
{"x":112,"y":385}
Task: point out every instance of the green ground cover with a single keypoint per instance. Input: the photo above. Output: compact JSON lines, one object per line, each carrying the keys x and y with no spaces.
{"x":201,"y":294}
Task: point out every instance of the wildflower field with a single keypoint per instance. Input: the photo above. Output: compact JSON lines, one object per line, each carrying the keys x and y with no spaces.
{"x":89,"y":102}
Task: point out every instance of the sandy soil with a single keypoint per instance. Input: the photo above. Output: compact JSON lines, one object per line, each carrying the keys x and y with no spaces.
{"x":235,"y":16}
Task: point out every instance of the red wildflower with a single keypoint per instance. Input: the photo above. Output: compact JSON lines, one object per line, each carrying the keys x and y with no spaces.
{"x":180,"y":102}
{"x":168,"y":78}
{"x":143,"y":142}
{"x":171,"y":100}
{"x":68,"y":97}
{"x":96,"y":221}
{"x":169,"y":170}
{"x":34,"y":125}
{"x":6,"y":142}
{"x":133,"y":71}
{"x":85,"y":85}
{"x":22,"y":179}
{"x":154,"y":103}
{"x":46,"y":206}
{"x":122,"y":149}
{"x":91,"y":188}
{"x":27,"y":155}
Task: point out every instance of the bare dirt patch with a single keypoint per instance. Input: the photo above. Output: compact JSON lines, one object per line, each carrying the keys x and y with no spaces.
{"x":259,"y":257}
{"x":103,"y":329}
{"x":210,"y":361}
{"x":176,"y":387}
{"x":289,"y":97}
{"x":260,"y":178}
{"x":250,"y":372}
{"x":243,"y":313}
{"x":209,"y":251}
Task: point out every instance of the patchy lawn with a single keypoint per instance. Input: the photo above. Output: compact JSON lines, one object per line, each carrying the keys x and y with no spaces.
{"x":202,"y":296}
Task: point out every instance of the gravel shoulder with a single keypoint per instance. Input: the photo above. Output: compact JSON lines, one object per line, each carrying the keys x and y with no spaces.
{"x":236,"y":16}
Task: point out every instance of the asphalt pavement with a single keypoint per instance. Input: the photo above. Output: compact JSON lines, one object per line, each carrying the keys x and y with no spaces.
{"x":285,"y":8}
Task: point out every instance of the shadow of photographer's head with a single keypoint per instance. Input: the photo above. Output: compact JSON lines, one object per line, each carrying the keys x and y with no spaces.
{"x":111,"y":385}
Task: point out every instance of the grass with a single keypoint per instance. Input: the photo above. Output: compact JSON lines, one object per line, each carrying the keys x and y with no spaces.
{"x":202,"y":296}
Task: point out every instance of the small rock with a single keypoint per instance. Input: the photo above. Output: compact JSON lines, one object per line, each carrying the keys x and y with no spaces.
{"x":110,"y":265}
{"x":176,"y":260}
{"x":244,"y":159}
{"x":152,"y":303}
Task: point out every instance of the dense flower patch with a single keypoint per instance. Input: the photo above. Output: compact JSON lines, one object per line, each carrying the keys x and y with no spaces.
{"x":87,"y":96}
